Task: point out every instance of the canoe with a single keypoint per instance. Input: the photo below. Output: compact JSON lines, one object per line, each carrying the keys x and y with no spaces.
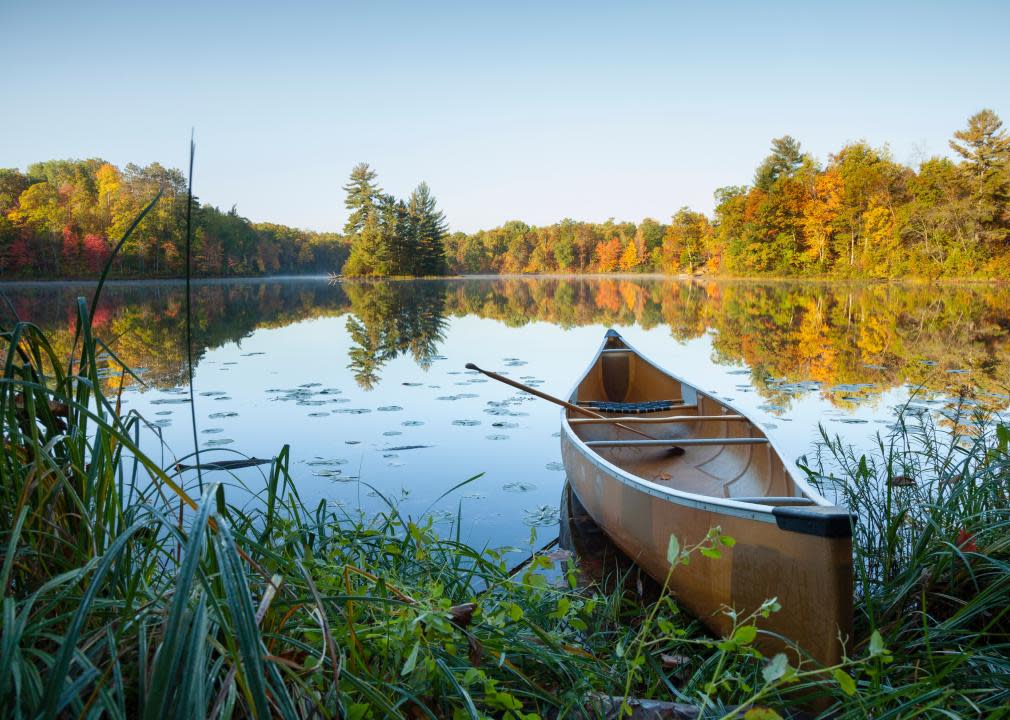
{"x":707,"y":464}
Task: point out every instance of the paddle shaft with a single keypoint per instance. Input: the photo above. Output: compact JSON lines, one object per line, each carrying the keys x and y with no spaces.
{"x":551,"y":398}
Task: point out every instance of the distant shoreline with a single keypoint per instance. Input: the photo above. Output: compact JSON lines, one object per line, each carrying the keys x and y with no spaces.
{"x":813,"y":280}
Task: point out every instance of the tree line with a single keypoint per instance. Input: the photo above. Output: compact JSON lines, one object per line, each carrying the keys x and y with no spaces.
{"x":62,"y":218}
{"x":861,"y":214}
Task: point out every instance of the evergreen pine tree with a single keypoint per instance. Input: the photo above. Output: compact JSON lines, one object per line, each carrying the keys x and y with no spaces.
{"x":362,"y":197}
{"x":786,"y":157}
{"x":369,"y":253}
{"x":396,"y":237}
{"x":985,"y":147}
{"x":429,"y":230}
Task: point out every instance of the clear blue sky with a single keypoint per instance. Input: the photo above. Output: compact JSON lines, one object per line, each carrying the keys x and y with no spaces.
{"x":536,"y":110}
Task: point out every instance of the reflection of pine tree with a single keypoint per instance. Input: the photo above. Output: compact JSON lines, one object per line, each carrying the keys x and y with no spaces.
{"x":392,"y":319}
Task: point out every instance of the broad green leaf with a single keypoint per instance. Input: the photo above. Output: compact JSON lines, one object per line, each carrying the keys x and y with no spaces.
{"x":845,"y":681}
{"x":411,"y":663}
{"x":673,"y":550}
{"x":775,"y":668}
{"x":761,"y":714}
{"x":745,"y":634}
{"x":876,"y":643}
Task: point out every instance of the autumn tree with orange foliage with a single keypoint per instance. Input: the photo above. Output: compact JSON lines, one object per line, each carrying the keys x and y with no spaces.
{"x":860,"y":215}
{"x":608,"y":255}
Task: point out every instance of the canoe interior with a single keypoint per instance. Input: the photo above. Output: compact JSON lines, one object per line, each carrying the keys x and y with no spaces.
{"x":723,"y":471}
{"x":806,"y":565}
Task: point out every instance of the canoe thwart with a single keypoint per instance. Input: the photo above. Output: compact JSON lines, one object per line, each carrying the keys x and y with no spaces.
{"x":678,"y":441}
{"x":768,"y":500}
{"x":650,"y":420}
{"x":633,"y":408}
{"x":822,"y":520}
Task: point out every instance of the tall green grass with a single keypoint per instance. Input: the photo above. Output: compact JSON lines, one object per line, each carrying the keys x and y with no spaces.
{"x":932,"y":559}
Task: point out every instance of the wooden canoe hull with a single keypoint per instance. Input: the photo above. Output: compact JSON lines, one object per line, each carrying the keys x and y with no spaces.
{"x":812,"y":578}
{"x":806,"y":566}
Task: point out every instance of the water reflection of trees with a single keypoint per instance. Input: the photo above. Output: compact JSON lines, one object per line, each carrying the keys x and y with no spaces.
{"x":144,"y":323}
{"x":941,"y":337}
{"x":944,"y":338}
{"x":391,"y":319}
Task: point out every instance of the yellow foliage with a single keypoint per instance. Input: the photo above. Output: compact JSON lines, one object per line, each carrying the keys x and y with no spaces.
{"x":108,"y":180}
{"x":821,"y":211}
{"x":874,"y":337}
{"x":629,"y":259}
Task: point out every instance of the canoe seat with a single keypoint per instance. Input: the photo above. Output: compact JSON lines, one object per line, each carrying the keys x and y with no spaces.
{"x":638,"y":408}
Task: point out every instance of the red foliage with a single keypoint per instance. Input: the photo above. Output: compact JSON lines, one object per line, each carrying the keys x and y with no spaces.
{"x":103,"y":316}
{"x":95,"y":252}
{"x":966,"y":541}
{"x":71,"y":250}
{"x":84,"y":257}
{"x":20,"y":258}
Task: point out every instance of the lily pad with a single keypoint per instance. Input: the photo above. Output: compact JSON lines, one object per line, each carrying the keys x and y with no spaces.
{"x":541,"y":516}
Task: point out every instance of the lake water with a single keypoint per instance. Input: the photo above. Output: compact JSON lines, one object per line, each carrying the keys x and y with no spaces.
{"x":366,"y":382}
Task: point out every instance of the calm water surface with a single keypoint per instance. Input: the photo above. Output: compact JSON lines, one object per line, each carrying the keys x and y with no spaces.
{"x":366,"y":383}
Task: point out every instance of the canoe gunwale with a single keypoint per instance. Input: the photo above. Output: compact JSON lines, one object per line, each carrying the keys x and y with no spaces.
{"x":724,"y":506}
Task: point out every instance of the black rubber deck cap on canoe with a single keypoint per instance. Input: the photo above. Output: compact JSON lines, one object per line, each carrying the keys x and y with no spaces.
{"x":830,"y":522}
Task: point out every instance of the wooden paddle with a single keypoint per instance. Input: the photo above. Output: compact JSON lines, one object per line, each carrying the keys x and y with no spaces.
{"x":559,"y":401}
